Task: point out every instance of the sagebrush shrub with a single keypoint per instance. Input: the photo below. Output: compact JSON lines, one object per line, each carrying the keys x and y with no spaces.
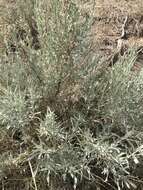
{"x":76,"y":121}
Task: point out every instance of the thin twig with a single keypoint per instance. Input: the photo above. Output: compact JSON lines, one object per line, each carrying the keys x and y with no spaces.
{"x":123,"y":35}
{"x":33,"y":175}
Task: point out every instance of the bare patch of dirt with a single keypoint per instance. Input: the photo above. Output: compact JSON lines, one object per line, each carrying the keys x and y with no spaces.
{"x":109,"y":18}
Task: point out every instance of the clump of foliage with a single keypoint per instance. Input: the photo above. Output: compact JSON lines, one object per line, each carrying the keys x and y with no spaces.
{"x":67,"y":119}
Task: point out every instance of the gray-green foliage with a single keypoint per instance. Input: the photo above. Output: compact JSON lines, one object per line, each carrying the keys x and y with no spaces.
{"x":84,"y":118}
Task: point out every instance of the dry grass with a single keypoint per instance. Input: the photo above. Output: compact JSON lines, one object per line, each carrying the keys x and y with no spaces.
{"x":130,"y":7}
{"x":6,"y":7}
